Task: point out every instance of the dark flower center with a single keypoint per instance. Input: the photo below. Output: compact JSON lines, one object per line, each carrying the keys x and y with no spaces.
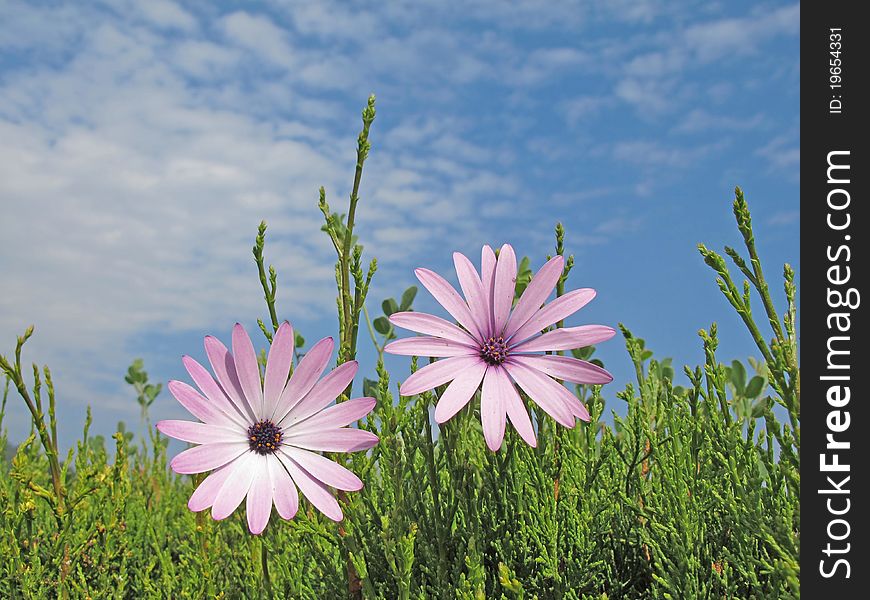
{"x":494,"y":351}
{"x":264,"y":437}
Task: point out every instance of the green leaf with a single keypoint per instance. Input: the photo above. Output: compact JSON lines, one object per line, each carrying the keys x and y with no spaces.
{"x":408,"y":298}
{"x":389,"y":305}
{"x":738,"y":376}
{"x":299,"y":341}
{"x":382,"y":325}
{"x":583,"y":353}
{"x":370,"y":387}
{"x":755,"y":387}
{"x":760,"y":407}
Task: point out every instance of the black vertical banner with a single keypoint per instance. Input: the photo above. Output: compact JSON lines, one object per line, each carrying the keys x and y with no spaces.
{"x":834,"y":420}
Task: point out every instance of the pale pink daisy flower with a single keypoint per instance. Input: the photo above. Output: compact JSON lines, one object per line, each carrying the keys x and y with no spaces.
{"x":500,"y":345}
{"x":261,"y":440}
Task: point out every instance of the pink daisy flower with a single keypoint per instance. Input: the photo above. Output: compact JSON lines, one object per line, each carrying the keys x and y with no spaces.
{"x":261,"y":440}
{"x":499,"y":346}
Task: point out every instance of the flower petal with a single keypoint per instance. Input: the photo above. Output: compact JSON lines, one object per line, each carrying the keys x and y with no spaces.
{"x":515,"y":407}
{"x":339,"y":415}
{"x":236,"y":487}
{"x":325,"y":391}
{"x":203,"y":379}
{"x":204,"y":495}
{"x":284,"y":492}
{"x":431,"y":325}
{"x":472,"y":289}
{"x":459,"y":392}
{"x":199,"y":433}
{"x":199,"y":406}
{"x":504,"y":286}
{"x":429,"y":346}
{"x":278,"y":366}
{"x":311,"y":488}
{"x":487,"y":279}
{"x":492,"y":409}
{"x":259,"y":504}
{"x":304,"y":377}
{"x":555,"y":311}
{"x":324,"y":470}
{"x":535,"y":294}
{"x":224,"y":368}
{"x":207,"y":457}
{"x":334,"y":440}
{"x":567,"y":368}
{"x":449,"y":298}
{"x":248,"y":369}
{"x":541,"y":389}
{"x":436,"y":373}
{"x":566,"y":338}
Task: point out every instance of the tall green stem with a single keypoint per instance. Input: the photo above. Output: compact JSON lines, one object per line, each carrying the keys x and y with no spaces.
{"x":436,"y":499}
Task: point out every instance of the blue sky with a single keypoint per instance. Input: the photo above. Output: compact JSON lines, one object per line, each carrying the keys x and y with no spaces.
{"x":142,"y":142}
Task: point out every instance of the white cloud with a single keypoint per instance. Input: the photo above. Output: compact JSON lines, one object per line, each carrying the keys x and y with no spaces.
{"x":784,"y":218}
{"x":260,"y":35}
{"x":702,"y":121}
{"x":131,"y":194}
{"x":654,"y":80}
{"x":167,"y":14}
{"x":782,"y":152}
{"x":715,"y":39}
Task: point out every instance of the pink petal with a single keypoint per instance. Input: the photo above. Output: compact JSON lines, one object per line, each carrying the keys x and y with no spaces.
{"x":278,"y":366}
{"x":487,"y":279}
{"x":325,"y":391}
{"x":304,"y":377}
{"x":514,"y":405}
{"x":504,"y":286}
{"x":224,"y":368}
{"x":435,"y":374}
{"x":284,"y":492}
{"x":459,"y":392}
{"x":566,"y":368}
{"x":259,"y":504}
{"x":492,"y":409}
{"x":472,"y":288}
{"x":430,"y":346}
{"x":449,"y":298}
{"x":311,"y":488}
{"x":236,"y":487}
{"x":204,"y":495}
{"x":207,"y":457}
{"x":535,"y":294}
{"x":198,"y":406}
{"x":324,"y":470}
{"x":542,"y":390}
{"x":339,"y":415}
{"x":431,"y":325}
{"x":566,"y":338}
{"x":555,"y":311}
{"x":203,"y":379}
{"x":248,"y":369}
{"x":333,"y":440}
{"x":199,"y":433}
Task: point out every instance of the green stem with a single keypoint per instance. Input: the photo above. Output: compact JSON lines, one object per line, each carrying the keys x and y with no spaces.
{"x":269,"y":294}
{"x":436,"y":498}
{"x":372,"y":333}
{"x":264,"y":560}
